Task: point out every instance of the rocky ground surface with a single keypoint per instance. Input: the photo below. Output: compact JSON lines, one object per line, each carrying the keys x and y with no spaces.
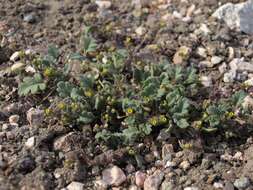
{"x":36,"y":156}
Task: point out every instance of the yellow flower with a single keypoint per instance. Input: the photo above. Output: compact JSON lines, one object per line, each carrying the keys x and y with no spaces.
{"x":61,"y":105}
{"x":146,"y":99}
{"x":129,"y":111}
{"x":187,"y":146}
{"x":49,"y":72}
{"x":153,"y":121}
{"x":48,"y":111}
{"x":131,"y":152}
{"x":74,"y":106}
{"x":230,"y":114}
{"x":88,"y":93}
{"x":197,"y":124}
{"x":128,"y":40}
{"x":163,"y":119}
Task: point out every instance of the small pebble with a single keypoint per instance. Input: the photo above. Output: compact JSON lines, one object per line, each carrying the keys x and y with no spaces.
{"x":14,"y":119}
{"x":30,"y":142}
{"x":30,"y":18}
{"x":216,"y":60}
{"x":75,"y":186}
{"x":242,"y":183}
{"x":218,"y":185}
{"x":185,"y":165}
{"x":140,"y":178}
{"x":15,"y":56}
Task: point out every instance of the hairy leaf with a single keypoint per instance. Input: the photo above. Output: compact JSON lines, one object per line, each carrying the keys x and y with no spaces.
{"x":32,"y":85}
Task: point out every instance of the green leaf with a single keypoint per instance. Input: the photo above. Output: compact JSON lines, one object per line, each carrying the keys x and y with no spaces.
{"x":191,"y":76}
{"x":64,"y":89}
{"x":104,"y":135}
{"x":32,"y":85}
{"x":145,"y":129}
{"x":130,"y":134}
{"x":86,"y":117}
{"x":77,"y":56}
{"x":149,"y":90}
{"x":181,"y":107}
{"x":76,"y":94}
{"x":53,"y":51}
{"x":86,"y":82}
{"x":182,"y":123}
{"x":89,"y":44}
{"x":238,"y":98}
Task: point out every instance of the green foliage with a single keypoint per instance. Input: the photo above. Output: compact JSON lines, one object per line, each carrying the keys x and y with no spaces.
{"x":88,"y":42}
{"x":32,"y":85}
{"x":124,"y":103}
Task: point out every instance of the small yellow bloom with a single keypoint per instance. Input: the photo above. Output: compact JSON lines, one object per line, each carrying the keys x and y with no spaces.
{"x":163,"y":119}
{"x":187,"y":146}
{"x":129,"y":111}
{"x":153,"y":121}
{"x":128,"y":40}
{"x":230,"y":114}
{"x":88,"y":93}
{"x":197,"y":124}
{"x":49,"y":72}
{"x":131,"y":152}
{"x":74,"y":106}
{"x":48,"y":111}
{"x":146,"y":99}
{"x":61,"y":105}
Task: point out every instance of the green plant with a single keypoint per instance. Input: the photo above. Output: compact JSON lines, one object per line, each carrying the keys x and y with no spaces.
{"x":32,"y":85}
{"x":124,"y":103}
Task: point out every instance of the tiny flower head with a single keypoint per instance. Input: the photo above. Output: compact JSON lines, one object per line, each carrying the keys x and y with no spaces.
{"x":129,"y":111}
{"x":88,"y":93}
{"x":163,"y":119}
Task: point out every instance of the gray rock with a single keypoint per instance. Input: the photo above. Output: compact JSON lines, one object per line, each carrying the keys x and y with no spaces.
{"x":103,"y":4}
{"x":140,"y":178}
{"x":101,"y":185}
{"x":206,"y":81}
{"x":247,"y":103}
{"x":242,"y":183}
{"x":238,"y":64}
{"x":167,"y":151}
{"x":206,"y":164}
{"x":30,"y":142}
{"x":26,"y":165}
{"x":66,"y":142}
{"x":14,"y":119}
{"x":229,"y":77}
{"x":230,"y":14}
{"x":216,"y":60}
{"x":35,"y":116}
{"x":75,"y":186}
{"x":113,"y":176}
{"x":167,"y":185}
{"x":237,"y":15}
{"x":218,"y":185}
{"x":15,"y":56}
{"x":228,"y":186}
{"x":185,"y":165}
{"x":191,"y":188}
{"x":30,"y":18}
{"x":154,"y":181}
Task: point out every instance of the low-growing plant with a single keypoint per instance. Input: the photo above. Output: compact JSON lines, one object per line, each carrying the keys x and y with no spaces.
{"x":125,"y":103}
